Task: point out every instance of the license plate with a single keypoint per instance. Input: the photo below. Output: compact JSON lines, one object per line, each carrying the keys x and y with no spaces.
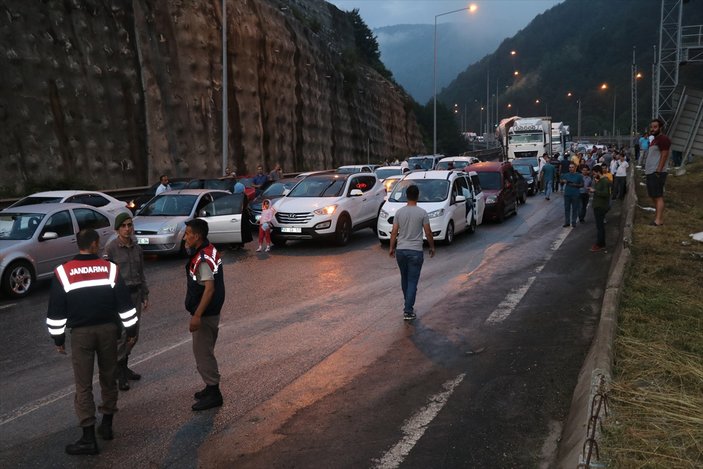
{"x":142,"y":240}
{"x":291,"y":229}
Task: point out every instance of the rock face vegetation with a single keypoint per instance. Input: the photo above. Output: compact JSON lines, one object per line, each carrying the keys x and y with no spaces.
{"x":111,"y":94}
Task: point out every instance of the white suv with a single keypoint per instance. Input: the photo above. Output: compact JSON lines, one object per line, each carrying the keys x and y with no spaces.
{"x":447,"y":196}
{"x":328,"y":206}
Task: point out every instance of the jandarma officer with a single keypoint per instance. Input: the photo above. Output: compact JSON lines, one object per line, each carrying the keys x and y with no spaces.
{"x":89,"y":297}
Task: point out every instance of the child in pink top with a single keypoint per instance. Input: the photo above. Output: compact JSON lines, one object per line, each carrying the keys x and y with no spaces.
{"x":267,"y":213}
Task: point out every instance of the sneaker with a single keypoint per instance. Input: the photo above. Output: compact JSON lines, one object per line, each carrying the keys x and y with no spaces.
{"x":409,"y":316}
{"x":268,"y":248}
{"x":565,"y":226}
{"x":258,"y":249}
{"x":546,"y":198}
{"x":596,"y":248}
{"x":211,"y":399}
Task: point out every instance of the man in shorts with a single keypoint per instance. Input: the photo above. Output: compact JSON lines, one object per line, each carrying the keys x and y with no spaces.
{"x":655,"y":168}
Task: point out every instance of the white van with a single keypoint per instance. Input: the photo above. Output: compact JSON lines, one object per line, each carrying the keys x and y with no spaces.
{"x":447,"y":196}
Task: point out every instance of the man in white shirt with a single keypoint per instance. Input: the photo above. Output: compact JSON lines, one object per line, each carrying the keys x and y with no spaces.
{"x":164,"y":186}
{"x":620,"y":174}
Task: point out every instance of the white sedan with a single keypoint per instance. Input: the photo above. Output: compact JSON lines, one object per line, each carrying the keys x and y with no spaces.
{"x":102,"y":201}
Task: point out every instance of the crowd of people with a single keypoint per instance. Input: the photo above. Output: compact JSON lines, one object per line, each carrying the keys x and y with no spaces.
{"x":603,"y":174}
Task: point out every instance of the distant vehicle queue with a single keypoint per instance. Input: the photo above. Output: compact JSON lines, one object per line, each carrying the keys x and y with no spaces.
{"x":38,"y":232}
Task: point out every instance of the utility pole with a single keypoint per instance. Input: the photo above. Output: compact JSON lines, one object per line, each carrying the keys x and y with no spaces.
{"x":633,"y":97}
{"x":224,"y":87}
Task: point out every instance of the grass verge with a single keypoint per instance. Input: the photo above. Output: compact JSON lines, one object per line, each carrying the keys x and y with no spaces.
{"x":656,"y":400}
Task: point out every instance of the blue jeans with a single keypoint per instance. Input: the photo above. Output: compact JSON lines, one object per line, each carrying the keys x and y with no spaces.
{"x":548,"y":187}
{"x":572,"y":204}
{"x":410,"y":264}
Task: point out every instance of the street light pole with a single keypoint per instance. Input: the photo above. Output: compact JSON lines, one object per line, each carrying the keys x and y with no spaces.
{"x":614,"y":97}
{"x":224,"y":86}
{"x":434,"y":72}
{"x":578,"y":127}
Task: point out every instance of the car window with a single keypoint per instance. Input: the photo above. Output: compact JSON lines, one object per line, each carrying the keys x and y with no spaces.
{"x":431,"y":190}
{"x":319,"y":186}
{"x":463,"y":187}
{"x":229,"y":205}
{"x":477,"y":183}
{"x":384,"y":173}
{"x":169,"y":205}
{"x":19,"y":225}
{"x":88,"y":218}
{"x":363,"y":183}
{"x":490,"y":180}
{"x":60,"y":223}
{"x":204,"y":200}
{"x":95,"y":200}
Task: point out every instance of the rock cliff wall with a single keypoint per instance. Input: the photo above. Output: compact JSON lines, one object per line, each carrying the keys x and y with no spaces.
{"x":113,"y":93}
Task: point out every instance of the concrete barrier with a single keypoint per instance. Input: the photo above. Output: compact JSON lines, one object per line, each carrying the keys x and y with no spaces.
{"x":596,"y":372}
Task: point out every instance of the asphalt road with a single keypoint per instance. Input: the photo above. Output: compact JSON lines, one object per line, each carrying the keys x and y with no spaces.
{"x":319,"y":369}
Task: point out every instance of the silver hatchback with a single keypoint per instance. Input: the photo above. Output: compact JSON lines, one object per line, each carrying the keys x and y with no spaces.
{"x":35,"y":239}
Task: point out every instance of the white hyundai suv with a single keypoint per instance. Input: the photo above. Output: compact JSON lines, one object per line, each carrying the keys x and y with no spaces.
{"x":328,"y":206}
{"x":447,"y":196}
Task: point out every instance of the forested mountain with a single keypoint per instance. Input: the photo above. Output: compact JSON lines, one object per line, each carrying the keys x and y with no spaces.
{"x":573,"y":47}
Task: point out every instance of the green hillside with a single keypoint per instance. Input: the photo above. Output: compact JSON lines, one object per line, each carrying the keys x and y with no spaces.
{"x":573,"y":48}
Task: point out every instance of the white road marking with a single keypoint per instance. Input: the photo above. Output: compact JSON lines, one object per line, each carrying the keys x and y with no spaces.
{"x":67,"y":391}
{"x":415,"y":427}
{"x":509,"y":303}
{"x":7,"y":306}
{"x":506,"y":307}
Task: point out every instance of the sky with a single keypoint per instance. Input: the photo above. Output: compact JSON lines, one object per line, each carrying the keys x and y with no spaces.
{"x":508,"y":15}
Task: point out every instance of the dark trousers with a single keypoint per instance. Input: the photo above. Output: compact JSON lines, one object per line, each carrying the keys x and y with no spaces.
{"x":124,"y":347}
{"x":584,"y":205}
{"x":620,"y":187}
{"x":204,"y":340}
{"x":410,"y":264}
{"x":571,"y":208}
{"x":86,"y":343}
{"x":599,"y":215}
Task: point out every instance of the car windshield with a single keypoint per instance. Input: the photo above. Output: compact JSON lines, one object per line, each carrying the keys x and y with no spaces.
{"x":15,"y":226}
{"x":523,"y":169}
{"x":349,"y":169}
{"x":431,"y":190}
{"x":490,"y":181}
{"x":33,"y":199}
{"x":330,"y":185}
{"x":526,"y":138}
{"x":424,"y":162}
{"x":169,"y":205}
{"x":444,"y":165}
{"x":384,"y":173}
{"x":277,"y":188}
{"x":529,"y":161}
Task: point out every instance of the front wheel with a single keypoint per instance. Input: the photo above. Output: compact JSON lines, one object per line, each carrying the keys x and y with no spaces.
{"x":18,"y":279}
{"x":449,"y":237}
{"x":343,"y":231}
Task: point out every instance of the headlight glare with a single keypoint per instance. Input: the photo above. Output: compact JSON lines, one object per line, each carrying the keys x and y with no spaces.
{"x":329,"y":210}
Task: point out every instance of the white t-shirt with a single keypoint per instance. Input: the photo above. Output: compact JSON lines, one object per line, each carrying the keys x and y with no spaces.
{"x":622,"y":169}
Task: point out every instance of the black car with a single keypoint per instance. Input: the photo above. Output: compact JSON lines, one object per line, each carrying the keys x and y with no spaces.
{"x":275,"y":190}
{"x":528,"y":172}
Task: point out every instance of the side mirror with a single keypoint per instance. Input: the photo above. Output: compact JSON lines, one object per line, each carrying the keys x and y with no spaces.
{"x":286,"y":192}
{"x":356,"y":193}
{"x":203,"y":213}
{"x":460,"y":198}
{"x":48,"y":235}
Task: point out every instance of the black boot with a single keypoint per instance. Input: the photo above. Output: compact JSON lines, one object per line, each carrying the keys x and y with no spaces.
{"x":86,"y":445}
{"x":212,"y":398}
{"x":105,"y":428}
{"x":131,"y":375}
{"x":122,"y":382}
{"x":200,"y":394}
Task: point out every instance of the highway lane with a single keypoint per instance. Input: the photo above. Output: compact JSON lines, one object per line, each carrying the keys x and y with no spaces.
{"x":314,"y":355}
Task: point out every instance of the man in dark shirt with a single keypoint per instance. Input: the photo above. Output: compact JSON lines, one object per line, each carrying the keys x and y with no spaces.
{"x":205,"y":295}
{"x":656,"y":168}
{"x":259,"y":180}
{"x":128,"y":255}
{"x":89,"y":297}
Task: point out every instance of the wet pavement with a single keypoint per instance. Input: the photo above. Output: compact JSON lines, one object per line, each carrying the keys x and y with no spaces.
{"x":318,"y":367}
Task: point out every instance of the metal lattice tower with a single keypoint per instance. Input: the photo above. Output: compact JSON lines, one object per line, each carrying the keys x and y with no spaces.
{"x":669,"y":57}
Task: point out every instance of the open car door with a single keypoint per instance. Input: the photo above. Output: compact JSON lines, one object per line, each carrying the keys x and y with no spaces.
{"x":224,"y":219}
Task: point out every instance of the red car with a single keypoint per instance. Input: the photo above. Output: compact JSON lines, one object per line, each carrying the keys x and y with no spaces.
{"x":503,"y":187}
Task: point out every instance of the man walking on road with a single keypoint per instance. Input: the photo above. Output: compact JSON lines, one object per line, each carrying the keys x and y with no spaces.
{"x":89,"y":297}
{"x":547,"y":174}
{"x":127,"y":254}
{"x":655,"y":168}
{"x":572,"y":182}
{"x":205,"y":296}
{"x":408,"y":225}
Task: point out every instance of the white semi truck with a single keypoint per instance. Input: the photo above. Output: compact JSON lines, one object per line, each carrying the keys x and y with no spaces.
{"x":529,"y":137}
{"x":561,"y":137}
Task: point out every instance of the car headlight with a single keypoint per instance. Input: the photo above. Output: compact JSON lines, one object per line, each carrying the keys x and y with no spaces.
{"x":436,"y":213}
{"x":131,"y":204}
{"x":329,"y":210}
{"x":383,"y":214}
{"x":491,"y":199}
{"x":170,"y":228}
